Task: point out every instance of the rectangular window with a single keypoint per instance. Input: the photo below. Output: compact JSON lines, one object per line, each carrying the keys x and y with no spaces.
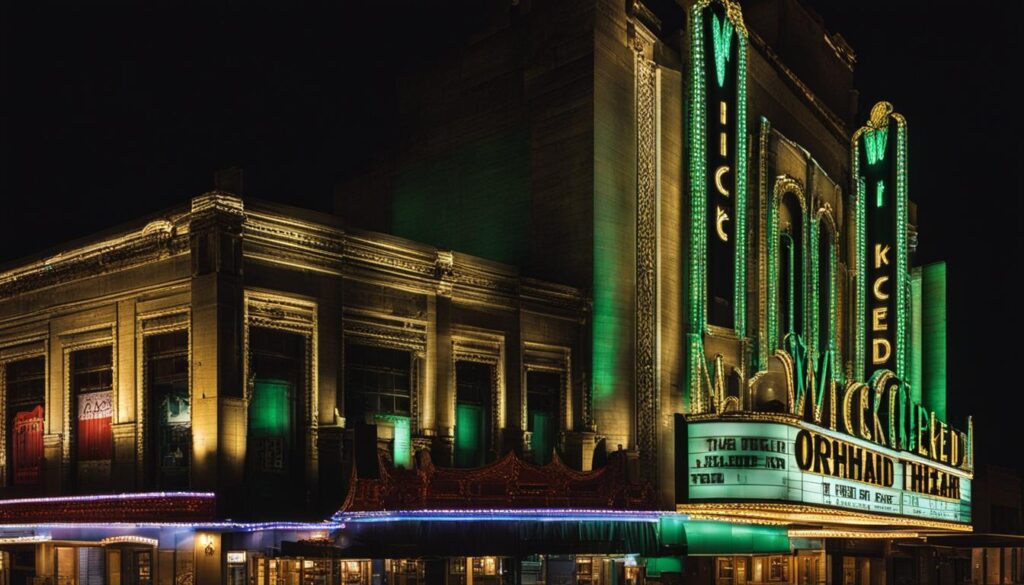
{"x":473,"y":389}
{"x":25,"y":382}
{"x":170,"y":409}
{"x":543,"y":391}
{"x":277,"y":364}
{"x":92,"y":383}
{"x":377,"y":381}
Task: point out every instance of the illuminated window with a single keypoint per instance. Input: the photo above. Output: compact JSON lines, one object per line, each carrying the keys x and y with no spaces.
{"x":473,"y":395}
{"x":92,"y":383}
{"x":377,"y":381}
{"x":275,"y":437}
{"x":543,"y":390}
{"x":25,"y":384}
{"x":170,"y":409}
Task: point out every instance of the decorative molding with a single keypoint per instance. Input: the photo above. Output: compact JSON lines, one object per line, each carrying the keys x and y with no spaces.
{"x":484,"y":348}
{"x":646,"y":318}
{"x":378,"y":329}
{"x":156,"y":240}
{"x":543,"y":357}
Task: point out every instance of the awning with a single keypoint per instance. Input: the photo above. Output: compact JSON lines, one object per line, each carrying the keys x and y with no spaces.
{"x":501,"y":538}
{"x":711,"y":537}
{"x":521,"y":533}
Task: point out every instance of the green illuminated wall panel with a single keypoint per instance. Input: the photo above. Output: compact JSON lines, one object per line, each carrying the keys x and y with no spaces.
{"x":914,"y":367}
{"x":401,"y":443}
{"x":933,"y":338}
{"x":469,"y":438}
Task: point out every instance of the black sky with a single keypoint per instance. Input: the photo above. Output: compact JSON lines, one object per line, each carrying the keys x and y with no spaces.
{"x":114,"y":111}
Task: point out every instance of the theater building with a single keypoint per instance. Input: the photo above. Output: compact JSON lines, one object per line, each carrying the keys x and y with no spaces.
{"x":635,"y":300}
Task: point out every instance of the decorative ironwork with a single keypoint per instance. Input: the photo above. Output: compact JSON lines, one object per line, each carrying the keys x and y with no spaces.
{"x":508,"y":483}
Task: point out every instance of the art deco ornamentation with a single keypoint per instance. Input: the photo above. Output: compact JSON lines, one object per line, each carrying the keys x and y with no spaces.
{"x":646,"y":252}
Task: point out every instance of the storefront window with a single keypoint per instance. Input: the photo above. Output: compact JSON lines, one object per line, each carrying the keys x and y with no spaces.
{"x":849,"y":571}
{"x":405,"y":572}
{"x":588,"y":570}
{"x":725,"y":571}
{"x":65,"y":565}
{"x":992,"y":564}
{"x":778,"y":569}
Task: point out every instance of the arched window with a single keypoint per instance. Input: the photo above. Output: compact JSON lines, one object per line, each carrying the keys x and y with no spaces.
{"x":791,"y":269}
{"x":825,"y":294}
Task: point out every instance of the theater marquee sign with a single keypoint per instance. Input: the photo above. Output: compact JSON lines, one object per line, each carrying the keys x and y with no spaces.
{"x":801,"y":463}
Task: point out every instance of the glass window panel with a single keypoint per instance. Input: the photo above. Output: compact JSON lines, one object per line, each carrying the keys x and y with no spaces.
{"x":377,"y":381}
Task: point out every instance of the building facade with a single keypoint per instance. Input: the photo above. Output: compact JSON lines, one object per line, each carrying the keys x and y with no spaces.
{"x":649,"y":312}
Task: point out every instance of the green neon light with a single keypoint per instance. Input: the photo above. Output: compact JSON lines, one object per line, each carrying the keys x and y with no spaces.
{"x":833,"y":311}
{"x":698,"y":236}
{"x":697,"y":289}
{"x":860,"y":287}
{"x":902,"y":260}
{"x":788,"y":245}
{"x":874,"y":144}
{"x":880,"y":194}
{"x":722,"y":31}
{"x":740,"y":284}
{"x":875,"y":141}
{"x":773,"y":281}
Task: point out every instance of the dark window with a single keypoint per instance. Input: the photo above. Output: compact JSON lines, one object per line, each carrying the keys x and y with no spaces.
{"x":276,"y":430}
{"x":473,"y":388}
{"x":170,"y":409}
{"x":25,"y":382}
{"x":791,"y":268}
{"x":92,"y":383}
{"x":377,"y":381}
{"x":824,"y":292}
{"x":543,"y":391}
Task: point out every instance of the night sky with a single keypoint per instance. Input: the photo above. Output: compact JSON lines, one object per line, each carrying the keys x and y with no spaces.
{"x":116,"y":112}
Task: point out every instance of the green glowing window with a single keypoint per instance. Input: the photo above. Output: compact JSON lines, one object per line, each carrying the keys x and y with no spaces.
{"x":474,"y":386}
{"x":276,"y":364}
{"x":543,"y":390}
